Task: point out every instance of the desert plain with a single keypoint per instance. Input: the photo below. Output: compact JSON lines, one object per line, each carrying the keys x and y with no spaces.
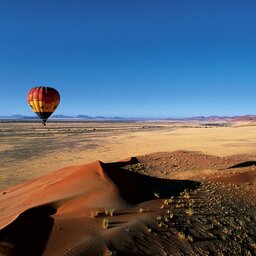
{"x":128,"y":188}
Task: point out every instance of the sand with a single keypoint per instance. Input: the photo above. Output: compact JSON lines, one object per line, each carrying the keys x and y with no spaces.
{"x":29,"y":150}
{"x":181,"y":201}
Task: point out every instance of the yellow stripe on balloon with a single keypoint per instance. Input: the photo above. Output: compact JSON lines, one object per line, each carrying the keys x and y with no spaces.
{"x":36,"y":104}
{"x":41,"y":105}
{"x":31,"y":103}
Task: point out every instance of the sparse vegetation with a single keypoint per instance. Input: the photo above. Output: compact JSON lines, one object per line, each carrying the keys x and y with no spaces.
{"x":105,"y":223}
{"x":181,"y":236}
{"x":149,"y":229}
{"x":190,"y":212}
{"x":214,"y":212}
{"x":138,"y":167}
{"x":95,"y":213}
{"x":166,"y":202}
{"x":156,"y":194}
{"x":109,"y":212}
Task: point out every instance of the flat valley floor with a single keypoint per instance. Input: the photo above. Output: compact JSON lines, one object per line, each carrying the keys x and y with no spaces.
{"x":29,"y":150}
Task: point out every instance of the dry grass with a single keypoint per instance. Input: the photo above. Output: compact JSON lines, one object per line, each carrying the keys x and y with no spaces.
{"x":24,"y":159}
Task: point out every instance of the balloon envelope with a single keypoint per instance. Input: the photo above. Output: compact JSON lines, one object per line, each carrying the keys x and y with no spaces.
{"x":43,"y":101}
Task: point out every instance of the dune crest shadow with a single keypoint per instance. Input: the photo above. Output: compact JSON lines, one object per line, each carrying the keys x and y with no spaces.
{"x":137,"y":188}
{"x":243,"y":164}
{"x":29,"y":233}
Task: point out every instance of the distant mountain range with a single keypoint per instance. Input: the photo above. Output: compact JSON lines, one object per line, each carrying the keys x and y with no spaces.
{"x":102,"y":118}
{"x":217,"y":118}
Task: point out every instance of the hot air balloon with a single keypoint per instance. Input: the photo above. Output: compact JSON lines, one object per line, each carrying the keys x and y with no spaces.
{"x":43,"y":101}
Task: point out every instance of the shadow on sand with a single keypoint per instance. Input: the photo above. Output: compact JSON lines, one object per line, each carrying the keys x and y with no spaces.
{"x":244,"y":164}
{"x":137,"y":188}
{"x":29,"y":233}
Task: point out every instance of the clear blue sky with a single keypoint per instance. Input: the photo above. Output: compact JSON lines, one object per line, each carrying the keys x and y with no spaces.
{"x":139,"y":58}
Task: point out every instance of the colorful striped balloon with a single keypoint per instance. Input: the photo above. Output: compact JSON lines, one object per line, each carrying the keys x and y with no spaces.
{"x":43,"y":101}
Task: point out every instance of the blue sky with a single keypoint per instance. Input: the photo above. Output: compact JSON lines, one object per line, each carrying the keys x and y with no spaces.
{"x":131,"y":58}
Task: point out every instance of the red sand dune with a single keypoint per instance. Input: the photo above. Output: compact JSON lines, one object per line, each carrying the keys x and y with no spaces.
{"x":52,"y":214}
{"x":63,"y":213}
{"x":247,"y":177}
{"x":61,"y":188}
{"x":68,"y":194}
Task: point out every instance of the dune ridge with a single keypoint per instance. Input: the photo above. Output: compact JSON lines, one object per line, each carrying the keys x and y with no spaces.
{"x":58,"y":188}
{"x":72,"y":193}
{"x":157,"y":204}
